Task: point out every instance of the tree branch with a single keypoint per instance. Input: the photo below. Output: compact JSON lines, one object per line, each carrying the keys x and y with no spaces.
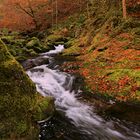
{"x":23,"y":9}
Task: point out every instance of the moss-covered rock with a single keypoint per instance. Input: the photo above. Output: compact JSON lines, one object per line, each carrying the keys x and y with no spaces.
{"x":72,"y":51}
{"x":34,"y":41}
{"x":18,"y":99}
{"x":24,"y":48}
{"x":36,"y":45}
{"x":44,"y":108}
{"x":53,"y":39}
{"x":8,"y":39}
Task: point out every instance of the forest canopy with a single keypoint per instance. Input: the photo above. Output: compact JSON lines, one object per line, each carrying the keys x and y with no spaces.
{"x":30,"y":14}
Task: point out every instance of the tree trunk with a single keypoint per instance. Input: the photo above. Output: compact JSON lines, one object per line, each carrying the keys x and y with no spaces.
{"x":56,"y":18}
{"x":80,"y":5}
{"x":52,"y":15}
{"x":88,"y":13}
{"x":124,"y":9}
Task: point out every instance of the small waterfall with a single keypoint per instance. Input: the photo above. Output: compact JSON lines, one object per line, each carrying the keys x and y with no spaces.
{"x":59,"y":85}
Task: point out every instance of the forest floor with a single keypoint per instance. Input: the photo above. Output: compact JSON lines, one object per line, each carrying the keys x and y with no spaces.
{"x":110,"y":67}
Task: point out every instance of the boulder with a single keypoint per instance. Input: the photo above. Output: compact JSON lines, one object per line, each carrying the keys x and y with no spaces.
{"x":18,"y":100}
{"x":52,"y":40}
{"x":37,"y":46}
{"x":28,"y":64}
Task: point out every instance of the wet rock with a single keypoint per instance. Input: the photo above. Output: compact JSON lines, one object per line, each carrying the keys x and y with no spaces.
{"x":35,"y":62}
{"x":44,"y":109}
{"x":125,"y":111}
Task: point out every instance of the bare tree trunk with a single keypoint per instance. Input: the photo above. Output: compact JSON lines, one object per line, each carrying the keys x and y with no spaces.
{"x":88,"y":13}
{"x":56,"y":17}
{"x":80,"y":5}
{"x":33,"y":14}
{"x":52,"y":14}
{"x":124,"y":9}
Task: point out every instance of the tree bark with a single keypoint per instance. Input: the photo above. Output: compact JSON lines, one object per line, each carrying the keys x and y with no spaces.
{"x":124,"y":9}
{"x":56,"y":17}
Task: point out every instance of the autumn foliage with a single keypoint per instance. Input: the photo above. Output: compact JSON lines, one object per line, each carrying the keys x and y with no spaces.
{"x":15,"y":13}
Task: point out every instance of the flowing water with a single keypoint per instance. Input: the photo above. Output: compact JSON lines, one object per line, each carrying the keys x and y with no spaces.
{"x":79,"y":119}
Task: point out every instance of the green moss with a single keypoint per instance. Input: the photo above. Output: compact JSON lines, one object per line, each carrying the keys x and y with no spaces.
{"x":7,"y":39}
{"x":44,"y":109}
{"x":21,"y":127}
{"x":5,"y":55}
{"x":55,"y":38}
{"x":69,"y":43}
{"x":17,"y":98}
{"x":17,"y":93}
{"x":116,"y":74}
{"x":136,"y":31}
{"x":126,"y":47}
{"x":74,"y":50}
{"x":34,"y":41}
{"x":92,"y":48}
{"x":138,"y":93}
{"x":121,"y":39}
{"x":136,"y":41}
{"x":80,"y":20}
{"x":5,"y":31}
{"x":59,"y":43}
{"x":86,"y":64}
{"x":37,"y":46}
{"x":21,"y":58}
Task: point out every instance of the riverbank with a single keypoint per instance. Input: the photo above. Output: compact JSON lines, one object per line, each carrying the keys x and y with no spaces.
{"x":80,"y":116}
{"x":107,"y":52}
{"x":102,"y":50}
{"x":104,"y":105}
{"x":21,"y":106}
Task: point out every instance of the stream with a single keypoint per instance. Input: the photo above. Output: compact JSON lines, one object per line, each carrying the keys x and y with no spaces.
{"x":75,"y":120}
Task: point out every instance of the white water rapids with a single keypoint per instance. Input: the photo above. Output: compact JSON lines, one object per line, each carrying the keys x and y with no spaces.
{"x":59,"y":84}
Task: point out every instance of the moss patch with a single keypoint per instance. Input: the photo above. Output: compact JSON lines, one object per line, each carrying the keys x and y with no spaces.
{"x":116,"y":74}
{"x":18,"y":99}
{"x":72,"y":51}
{"x":44,"y":108}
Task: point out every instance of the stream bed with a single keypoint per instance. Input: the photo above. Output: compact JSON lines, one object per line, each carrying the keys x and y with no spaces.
{"x":74,"y":119}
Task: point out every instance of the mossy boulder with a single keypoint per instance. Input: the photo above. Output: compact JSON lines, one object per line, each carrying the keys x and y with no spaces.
{"x":72,"y":51}
{"x":30,"y":63}
{"x":7,"y":39}
{"x":52,"y":40}
{"x":44,"y":108}
{"x":34,"y":41}
{"x":23,"y":48}
{"x":18,"y":99}
{"x":36,"y":45}
{"x":56,"y":38}
{"x":69,"y":43}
